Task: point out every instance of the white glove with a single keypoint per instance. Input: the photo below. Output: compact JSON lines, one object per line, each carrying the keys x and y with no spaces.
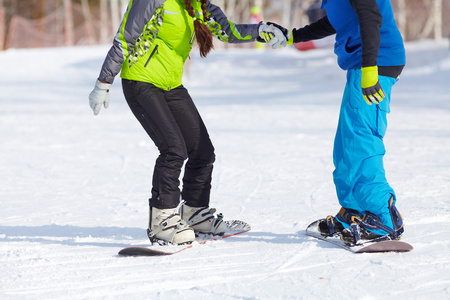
{"x":99,"y":96}
{"x":273,"y":36}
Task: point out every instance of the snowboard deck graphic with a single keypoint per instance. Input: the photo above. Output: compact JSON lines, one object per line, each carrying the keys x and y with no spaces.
{"x":235,"y":227}
{"x":367,"y":247}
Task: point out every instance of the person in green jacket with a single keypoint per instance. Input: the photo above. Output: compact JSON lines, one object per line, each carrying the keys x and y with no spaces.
{"x":150,"y":49}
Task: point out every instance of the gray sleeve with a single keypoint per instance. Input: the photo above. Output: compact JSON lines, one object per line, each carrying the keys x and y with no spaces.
{"x":136,"y":17}
{"x":227,"y":31}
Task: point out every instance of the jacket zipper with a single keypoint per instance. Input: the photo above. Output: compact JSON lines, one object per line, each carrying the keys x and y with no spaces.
{"x":151,"y":55}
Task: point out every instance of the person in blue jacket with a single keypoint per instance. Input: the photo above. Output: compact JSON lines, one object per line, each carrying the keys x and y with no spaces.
{"x":370,"y":48}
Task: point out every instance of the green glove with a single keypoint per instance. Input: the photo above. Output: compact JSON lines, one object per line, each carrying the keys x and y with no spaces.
{"x":370,"y":85}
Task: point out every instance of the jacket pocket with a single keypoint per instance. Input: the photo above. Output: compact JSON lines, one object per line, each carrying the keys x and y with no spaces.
{"x":155,"y":50}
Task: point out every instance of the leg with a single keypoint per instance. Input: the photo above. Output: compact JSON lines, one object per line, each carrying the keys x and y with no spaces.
{"x":198,"y":169}
{"x":359,"y":174}
{"x":148,"y":104}
{"x":200,"y":151}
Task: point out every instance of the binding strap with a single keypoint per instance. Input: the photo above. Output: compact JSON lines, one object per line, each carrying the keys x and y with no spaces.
{"x":201,"y":216}
{"x":172,"y":222}
{"x":206,"y":214}
{"x":330,"y":224}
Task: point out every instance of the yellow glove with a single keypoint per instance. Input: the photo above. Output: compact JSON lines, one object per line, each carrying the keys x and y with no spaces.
{"x":289,"y":38}
{"x":370,"y":85}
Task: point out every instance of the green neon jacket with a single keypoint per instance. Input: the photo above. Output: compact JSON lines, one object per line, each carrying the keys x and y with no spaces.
{"x":155,"y":39}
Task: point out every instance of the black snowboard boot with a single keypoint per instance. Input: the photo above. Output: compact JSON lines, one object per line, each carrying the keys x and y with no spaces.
{"x":333,"y":225}
{"x":363,"y":230}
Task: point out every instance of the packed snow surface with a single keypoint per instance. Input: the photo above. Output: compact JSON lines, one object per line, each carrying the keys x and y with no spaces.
{"x":74,"y":186}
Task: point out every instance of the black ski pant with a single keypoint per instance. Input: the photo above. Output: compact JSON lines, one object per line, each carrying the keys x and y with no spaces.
{"x":172,"y":121}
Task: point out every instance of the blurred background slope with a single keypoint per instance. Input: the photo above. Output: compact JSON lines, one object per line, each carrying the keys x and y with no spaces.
{"x":56,"y":23}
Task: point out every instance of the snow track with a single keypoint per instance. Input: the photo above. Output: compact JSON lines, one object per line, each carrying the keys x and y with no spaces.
{"x":74,"y":187}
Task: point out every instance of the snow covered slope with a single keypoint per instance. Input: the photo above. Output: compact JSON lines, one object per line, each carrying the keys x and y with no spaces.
{"x":74,"y":186}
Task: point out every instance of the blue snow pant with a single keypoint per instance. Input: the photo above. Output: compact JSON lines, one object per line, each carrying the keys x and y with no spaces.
{"x":359,"y":174}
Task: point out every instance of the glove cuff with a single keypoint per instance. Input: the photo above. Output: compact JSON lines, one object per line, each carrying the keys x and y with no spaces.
{"x":102,"y":86}
{"x":369,"y":76}
{"x":370,"y":69}
{"x":290,"y":38}
{"x":261,"y":28}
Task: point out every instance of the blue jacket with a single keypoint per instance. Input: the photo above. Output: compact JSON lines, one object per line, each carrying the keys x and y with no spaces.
{"x":343,"y":16}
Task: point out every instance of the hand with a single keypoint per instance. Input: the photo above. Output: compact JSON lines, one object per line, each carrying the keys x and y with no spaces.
{"x":99,"y":96}
{"x":272,"y":35}
{"x":287,"y":33}
{"x":370,"y":85}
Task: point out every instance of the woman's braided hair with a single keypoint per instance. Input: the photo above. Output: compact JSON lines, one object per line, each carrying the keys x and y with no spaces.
{"x":202,"y":33}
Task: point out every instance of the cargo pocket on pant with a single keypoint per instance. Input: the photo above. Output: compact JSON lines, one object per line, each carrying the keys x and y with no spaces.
{"x":381,"y":121}
{"x":383,"y":109}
